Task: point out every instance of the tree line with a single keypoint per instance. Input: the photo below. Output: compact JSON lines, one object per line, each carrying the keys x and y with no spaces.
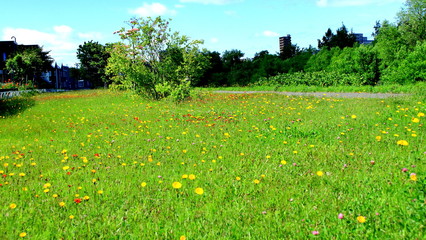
{"x":153,"y":60}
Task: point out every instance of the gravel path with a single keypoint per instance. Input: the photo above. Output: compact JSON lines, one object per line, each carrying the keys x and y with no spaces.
{"x":325,"y":94}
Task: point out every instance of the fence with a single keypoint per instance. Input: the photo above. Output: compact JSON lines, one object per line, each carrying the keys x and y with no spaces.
{"x":11,"y":94}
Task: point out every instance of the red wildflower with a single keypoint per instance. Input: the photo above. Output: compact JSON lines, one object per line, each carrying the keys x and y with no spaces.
{"x":77,"y":200}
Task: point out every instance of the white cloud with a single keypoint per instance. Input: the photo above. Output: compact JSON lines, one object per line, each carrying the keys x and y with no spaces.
{"x":62,"y":42}
{"x":63,"y":29}
{"x":268,"y":33}
{"x":154,"y":9}
{"x":214,"y":40}
{"x":352,"y":3}
{"x":215,"y":2}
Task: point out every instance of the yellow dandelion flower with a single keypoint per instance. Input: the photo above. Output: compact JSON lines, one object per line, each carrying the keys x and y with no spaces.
{"x":143,"y":184}
{"x":12,"y":206}
{"x":199,"y":191}
{"x":55,"y":195}
{"x":361,"y":219}
{"x":182,"y":238}
{"x":184,"y":176}
{"x":177,"y":185}
{"x":62,"y":204}
{"x":283,"y":162}
{"x":22,"y":234}
{"x":100,"y":192}
{"x":256,"y":181}
{"x":420,"y":114}
{"x":378,"y":138}
{"x":238,"y":178}
{"x":191,"y":176}
{"x":71,"y":216}
{"x":65,"y":168}
{"x":415,"y":120}
{"x":320,"y":173}
{"x":402,"y":143}
{"x":353,"y":116}
{"x":413,"y":177}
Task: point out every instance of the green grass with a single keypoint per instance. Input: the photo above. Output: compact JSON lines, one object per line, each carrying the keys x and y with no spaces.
{"x":417,"y":89}
{"x":257,"y":157}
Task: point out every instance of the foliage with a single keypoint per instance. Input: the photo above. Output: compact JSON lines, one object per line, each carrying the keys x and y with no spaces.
{"x":100,"y":165}
{"x":388,"y":43}
{"x":232,"y":69}
{"x":93,"y":58}
{"x":321,"y":60}
{"x":289,"y":51}
{"x":410,"y":69}
{"x":361,"y":61}
{"x":214,"y":74}
{"x":28,"y":64}
{"x":9,"y":85}
{"x":321,"y":78}
{"x":154,"y":61}
{"x":13,"y":106}
{"x":341,"y":39}
{"x":412,"y":22}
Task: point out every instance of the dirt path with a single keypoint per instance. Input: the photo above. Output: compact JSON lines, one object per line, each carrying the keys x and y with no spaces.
{"x":325,"y":94}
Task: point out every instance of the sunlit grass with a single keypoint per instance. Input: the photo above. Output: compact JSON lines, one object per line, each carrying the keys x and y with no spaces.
{"x":96,"y":164}
{"x":418,"y":89}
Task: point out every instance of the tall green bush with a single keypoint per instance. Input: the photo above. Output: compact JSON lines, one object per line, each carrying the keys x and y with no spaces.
{"x":410,"y":69}
{"x":153,"y":61}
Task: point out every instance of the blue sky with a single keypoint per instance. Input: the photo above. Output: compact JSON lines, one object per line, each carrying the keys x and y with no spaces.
{"x":247,"y":25}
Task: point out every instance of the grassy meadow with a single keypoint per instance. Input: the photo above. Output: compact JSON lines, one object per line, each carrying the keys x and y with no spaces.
{"x":105,"y":165}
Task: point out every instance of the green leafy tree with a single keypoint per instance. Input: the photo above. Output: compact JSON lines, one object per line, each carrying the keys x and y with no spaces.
{"x":341,"y":39}
{"x":29,"y":64}
{"x":298,"y":62}
{"x":410,"y":69}
{"x":93,"y":58}
{"x":321,"y":60}
{"x":412,"y":21}
{"x":290,"y":51}
{"x":361,"y":61}
{"x":214,"y":72}
{"x":389,"y":44}
{"x":154,"y":61}
{"x":238,"y":71}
